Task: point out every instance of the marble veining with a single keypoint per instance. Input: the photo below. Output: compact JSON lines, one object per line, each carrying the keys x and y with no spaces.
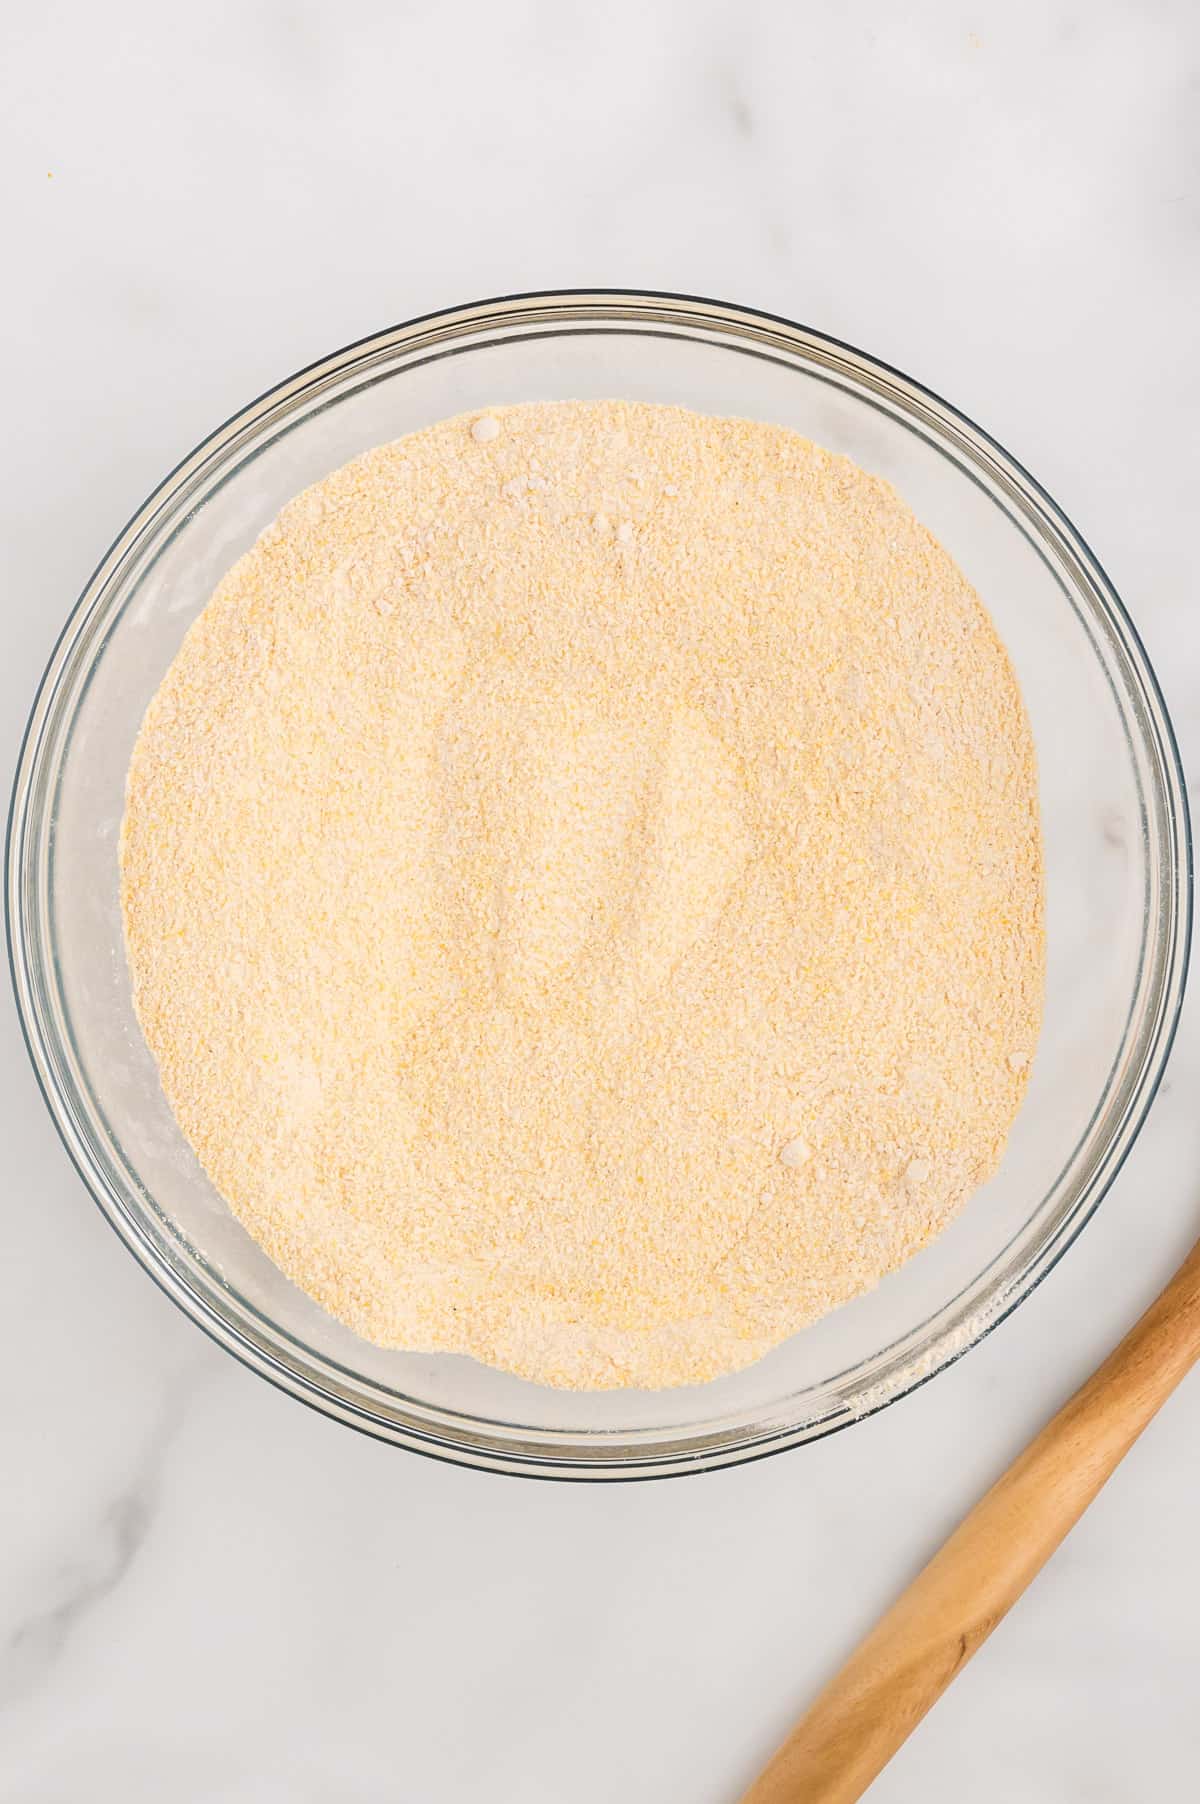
{"x":208,"y":1593}
{"x":76,"y":1587}
{"x":78,"y":1576}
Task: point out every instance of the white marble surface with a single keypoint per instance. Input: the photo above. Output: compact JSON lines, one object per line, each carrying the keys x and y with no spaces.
{"x":210,"y":1595}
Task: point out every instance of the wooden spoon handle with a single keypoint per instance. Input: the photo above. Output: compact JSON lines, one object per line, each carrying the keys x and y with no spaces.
{"x":950,"y":1609}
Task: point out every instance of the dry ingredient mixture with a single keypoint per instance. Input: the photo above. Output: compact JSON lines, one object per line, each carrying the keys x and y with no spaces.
{"x":582,"y":887}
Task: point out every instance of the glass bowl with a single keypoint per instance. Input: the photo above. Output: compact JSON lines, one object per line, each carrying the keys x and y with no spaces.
{"x":1117,"y":871}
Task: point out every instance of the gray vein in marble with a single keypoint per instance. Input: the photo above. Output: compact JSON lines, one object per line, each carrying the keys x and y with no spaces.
{"x":80,"y":1584}
{"x":946,"y":202}
{"x":732,"y":96}
{"x":83,"y":1581}
{"x":738,"y":107}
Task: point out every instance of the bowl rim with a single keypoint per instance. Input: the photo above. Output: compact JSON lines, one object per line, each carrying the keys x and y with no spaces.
{"x":632,"y":305}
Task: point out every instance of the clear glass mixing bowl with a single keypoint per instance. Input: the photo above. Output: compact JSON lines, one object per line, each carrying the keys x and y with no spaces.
{"x":1117,"y":868}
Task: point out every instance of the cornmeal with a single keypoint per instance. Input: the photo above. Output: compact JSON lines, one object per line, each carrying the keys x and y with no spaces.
{"x":582,"y":887}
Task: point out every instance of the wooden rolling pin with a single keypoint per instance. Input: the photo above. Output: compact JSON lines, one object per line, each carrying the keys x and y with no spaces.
{"x":929,"y":1634}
